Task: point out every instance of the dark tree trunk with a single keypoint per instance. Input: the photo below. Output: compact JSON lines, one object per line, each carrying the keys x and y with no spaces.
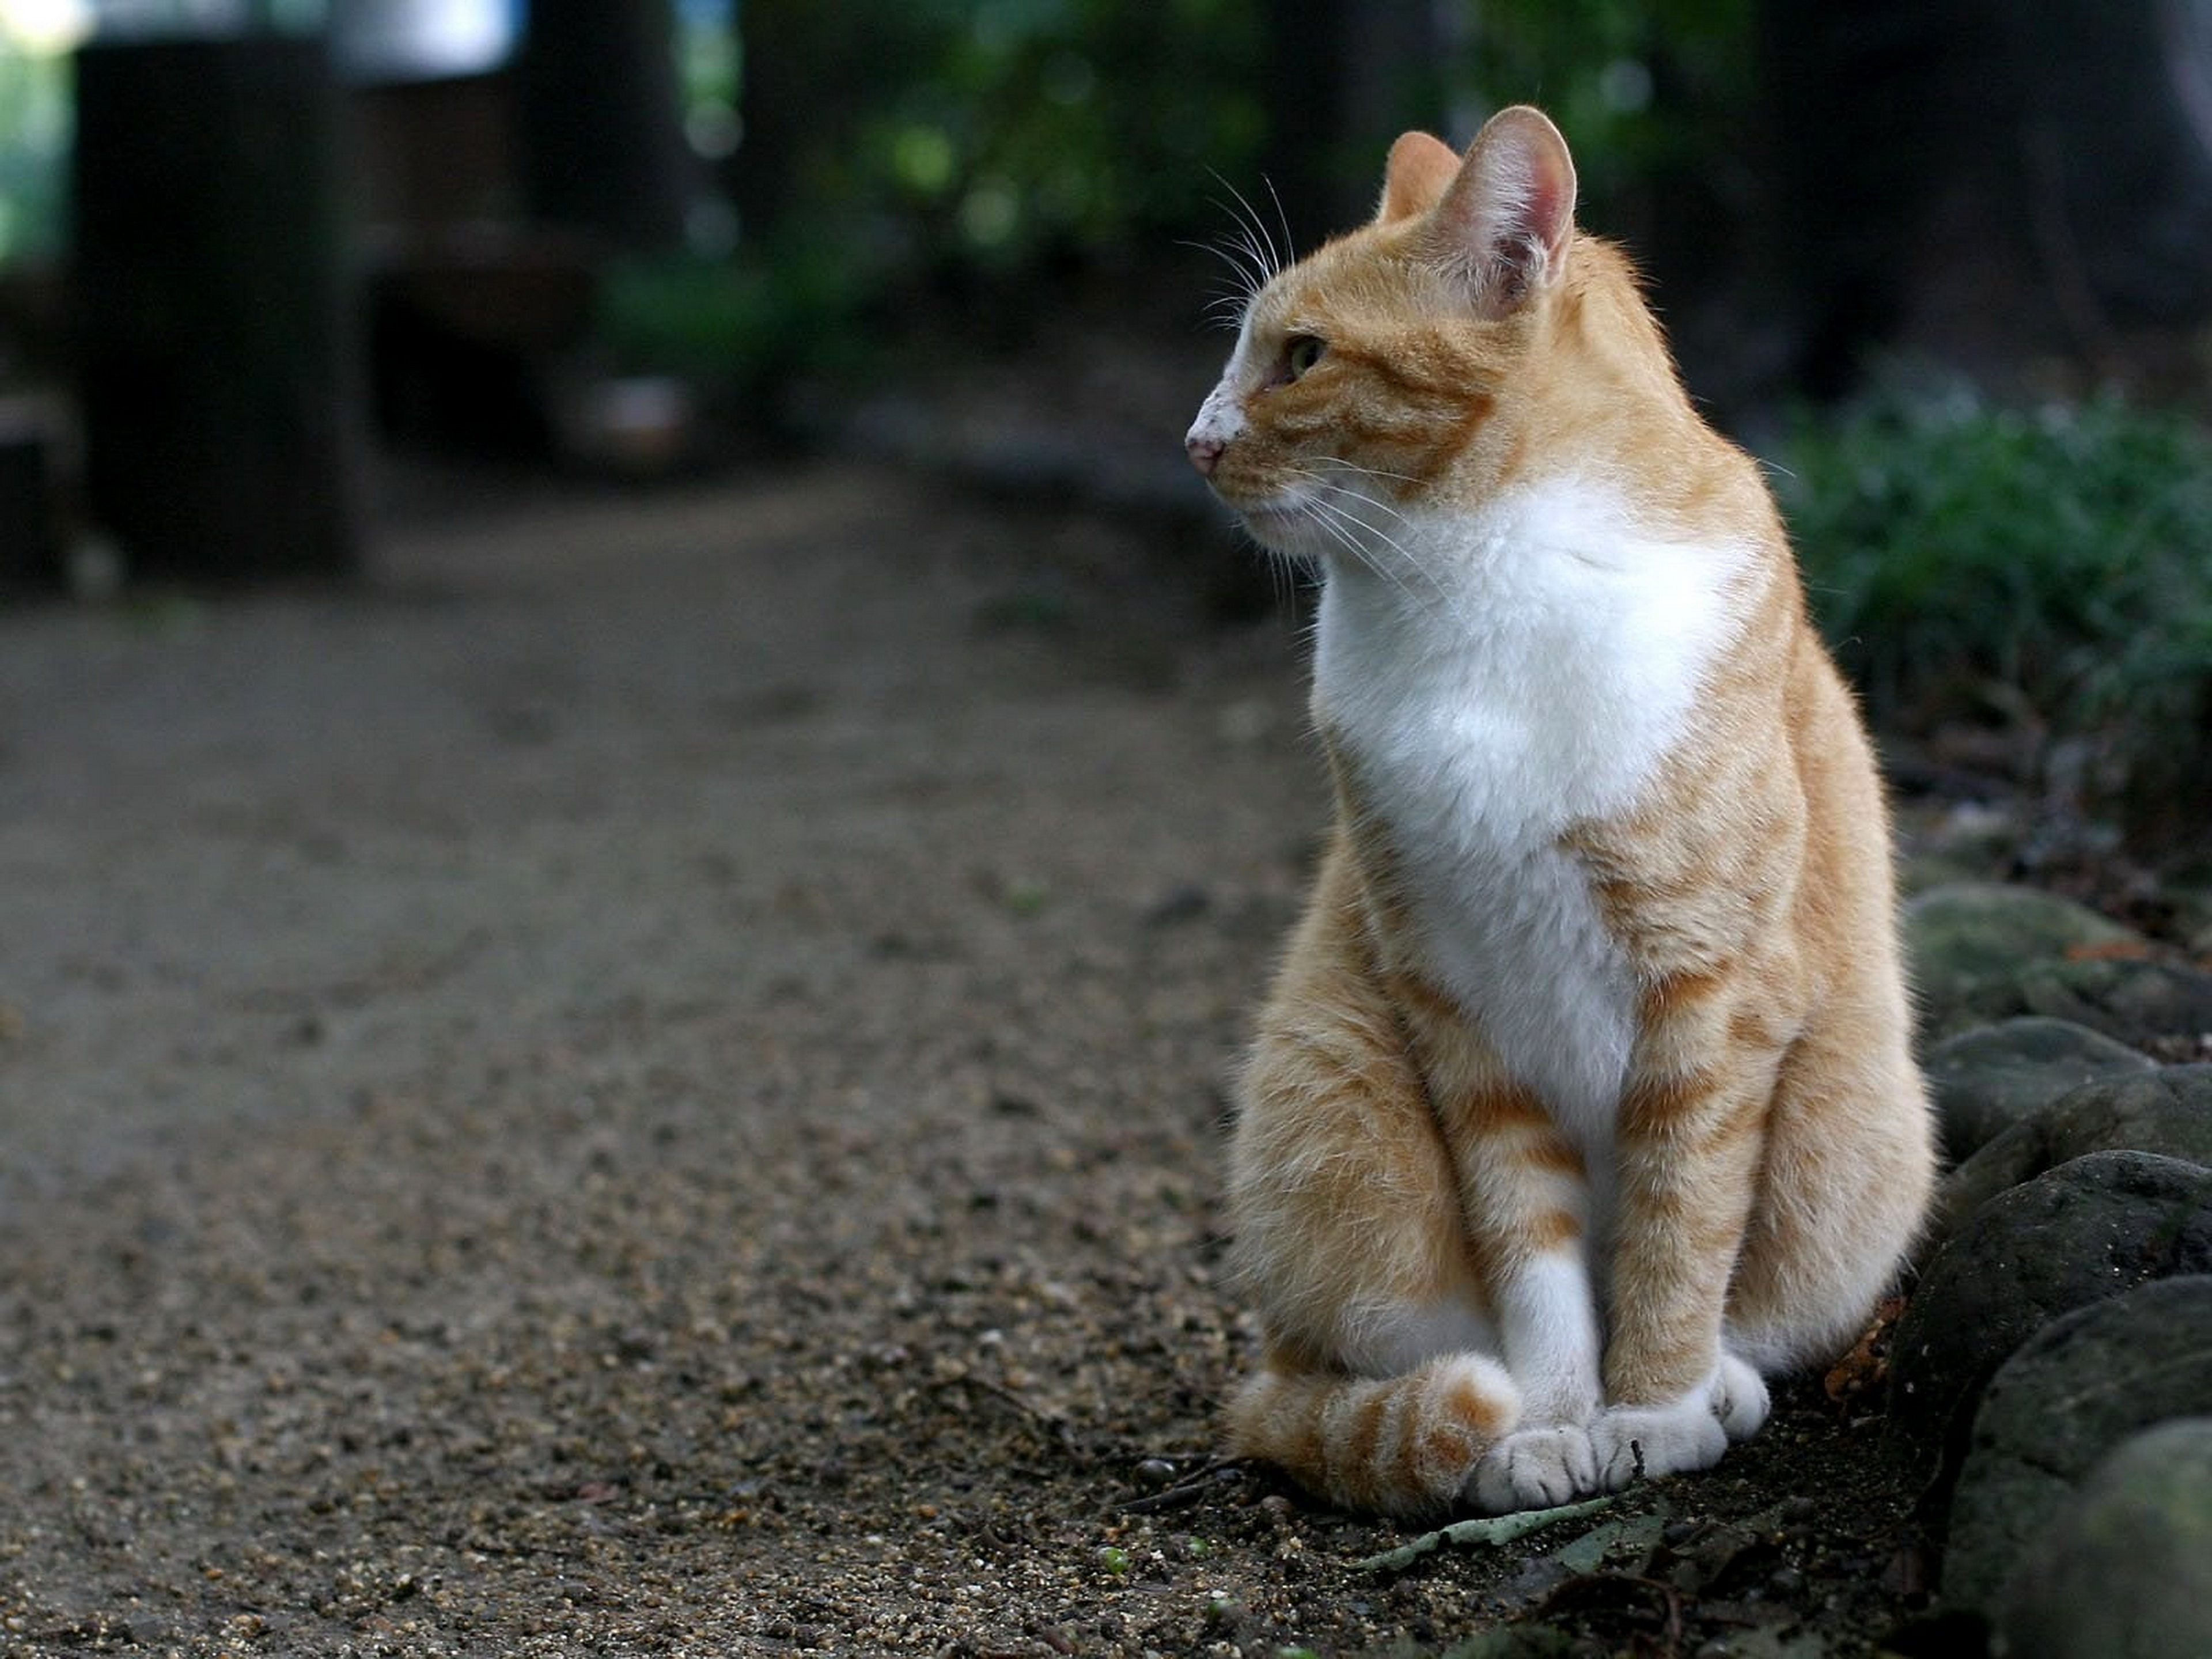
{"x":808,"y":76}
{"x":1347,"y":77}
{"x":603,"y":143}
{"x":216,"y":349}
{"x":29,"y":558}
{"x":1988,"y":182}
{"x":783,"y":88}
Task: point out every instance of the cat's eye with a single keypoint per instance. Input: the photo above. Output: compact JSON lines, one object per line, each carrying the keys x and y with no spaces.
{"x":1302,"y":352}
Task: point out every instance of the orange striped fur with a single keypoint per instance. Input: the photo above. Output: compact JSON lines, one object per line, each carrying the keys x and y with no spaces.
{"x":1582,"y":1101}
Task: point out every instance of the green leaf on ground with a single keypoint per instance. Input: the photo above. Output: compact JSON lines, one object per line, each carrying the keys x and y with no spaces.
{"x":1637,"y":1533}
{"x":1490,"y":1530}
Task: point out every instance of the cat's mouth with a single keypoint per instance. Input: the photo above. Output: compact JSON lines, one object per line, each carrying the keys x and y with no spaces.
{"x":1277,"y":514}
{"x":1295,"y":530}
{"x":1284,"y":523}
{"x":1289,"y":517}
{"x":1282,"y":527}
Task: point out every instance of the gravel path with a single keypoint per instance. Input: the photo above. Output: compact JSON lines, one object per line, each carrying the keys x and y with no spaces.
{"x":651,"y":1084}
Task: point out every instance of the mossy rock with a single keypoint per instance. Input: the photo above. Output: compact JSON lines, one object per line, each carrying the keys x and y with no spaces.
{"x":2125,"y":1570}
{"x":2080,"y":1387}
{"x":2081,"y":1233}
{"x":2168,"y":1111}
{"x":1985,"y":1080}
{"x":1986,"y":951}
{"x":2133,"y":1001}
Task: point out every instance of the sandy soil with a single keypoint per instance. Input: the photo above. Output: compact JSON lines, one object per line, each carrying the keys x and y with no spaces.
{"x":651,"y":1084}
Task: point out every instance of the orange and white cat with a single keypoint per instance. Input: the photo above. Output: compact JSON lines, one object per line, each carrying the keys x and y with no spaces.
{"x":1582,"y":1100}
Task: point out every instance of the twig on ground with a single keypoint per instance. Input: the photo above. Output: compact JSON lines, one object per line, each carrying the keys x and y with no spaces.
{"x":1191,"y":1488}
{"x":1055,"y":1428}
{"x":1493,"y":1531}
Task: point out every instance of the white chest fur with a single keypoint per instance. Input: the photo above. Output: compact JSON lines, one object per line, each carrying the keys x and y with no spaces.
{"x":1497,"y":678}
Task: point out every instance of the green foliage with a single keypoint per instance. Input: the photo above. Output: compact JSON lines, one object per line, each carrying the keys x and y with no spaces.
{"x":1013,"y":129}
{"x":2052,"y":565}
{"x":1638,"y":86}
{"x":35,"y":127}
{"x":949,"y":138}
{"x":1016,"y":128}
{"x":738,"y":323}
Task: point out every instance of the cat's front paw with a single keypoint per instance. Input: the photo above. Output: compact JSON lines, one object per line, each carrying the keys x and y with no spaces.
{"x":1650,"y":1442}
{"x":1691,"y":1433}
{"x":1534,"y":1469}
{"x":1739,"y":1398}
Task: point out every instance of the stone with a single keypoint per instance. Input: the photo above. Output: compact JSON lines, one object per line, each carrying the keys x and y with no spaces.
{"x":1983,"y":950}
{"x":2187,"y":893}
{"x":1969,"y":943}
{"x":2069,"y":1396}
{"x":2124,"y":1572}
{"x":2132,"y":1000}
{"x":2168,"y":1111}
{"x":1985,"y":1079}
{"x":2081,"y":1233}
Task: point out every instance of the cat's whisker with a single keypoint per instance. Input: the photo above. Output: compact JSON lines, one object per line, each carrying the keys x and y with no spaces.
{"x":1364,"y":499}
{"x":1261,"y":235}
{"x":1395,"y":579}
{"x":1340,"y":522}
{"x":1256,"y":259}
{"x":1251,"y":243}
{"x":1366,"y":471}
{"x":1307,"y":474}
{"x":1343,"y":537}
{"x":1226,"y":309}
{"x":1256,"y":229}
{"x":1290,"y":242}
{"x":1248,"y":264}
{"x":1443,"y":597}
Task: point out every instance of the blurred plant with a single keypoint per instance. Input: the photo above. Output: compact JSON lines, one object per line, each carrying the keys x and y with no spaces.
{"x":883,"y":147}
{"x":740,"y":323}
{"x":918,"y":141}
{"x":2050,"y":567}
{"x":1015,"y":128}
{"x":1638,"y":86}
{"x":35,"y":134}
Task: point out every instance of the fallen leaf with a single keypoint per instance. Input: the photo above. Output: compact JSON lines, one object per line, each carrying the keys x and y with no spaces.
{"x":2117,"y":950}
{"x":1867,"y":1365}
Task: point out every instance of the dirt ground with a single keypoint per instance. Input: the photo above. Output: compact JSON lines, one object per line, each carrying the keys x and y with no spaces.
{"x":651,"y":1084}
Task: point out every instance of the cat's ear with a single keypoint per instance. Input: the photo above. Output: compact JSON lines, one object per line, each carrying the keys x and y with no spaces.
{"x":1506,"y":221}
{"x":1417,"y":173}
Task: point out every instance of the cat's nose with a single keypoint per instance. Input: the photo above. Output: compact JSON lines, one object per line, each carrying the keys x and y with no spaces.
{"x":1204,"y":451}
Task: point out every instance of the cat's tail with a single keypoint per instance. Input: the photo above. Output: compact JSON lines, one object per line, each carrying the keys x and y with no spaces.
{"x":1399,"y":1445}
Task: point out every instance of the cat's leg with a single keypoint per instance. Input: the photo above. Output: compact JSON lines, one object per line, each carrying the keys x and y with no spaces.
{"x":1689,"y":1143}
{"x":1382,"y":1384}
{"x":1524,"y":1194}
{"x":1849,"y":1164}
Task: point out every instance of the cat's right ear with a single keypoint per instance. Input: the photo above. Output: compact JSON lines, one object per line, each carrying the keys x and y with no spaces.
{"x":1504,"y":222}
{"x":1418,"y":172}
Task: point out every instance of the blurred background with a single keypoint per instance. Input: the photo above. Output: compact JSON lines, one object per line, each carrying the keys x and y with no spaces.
{"x":266,"y":266}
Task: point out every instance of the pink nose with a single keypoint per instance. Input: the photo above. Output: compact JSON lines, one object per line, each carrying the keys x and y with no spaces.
{"x":1203,"y":452}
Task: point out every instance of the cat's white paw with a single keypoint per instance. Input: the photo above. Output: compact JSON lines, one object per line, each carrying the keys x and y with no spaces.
{"x":1655,"y":1441}
{"x":1534,"y":1469}
{"x":1739,"y":1398}
{"x":1691,"y":1433}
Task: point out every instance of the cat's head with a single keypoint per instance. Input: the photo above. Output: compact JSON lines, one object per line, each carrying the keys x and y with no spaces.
{"x":1423,"y":359}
